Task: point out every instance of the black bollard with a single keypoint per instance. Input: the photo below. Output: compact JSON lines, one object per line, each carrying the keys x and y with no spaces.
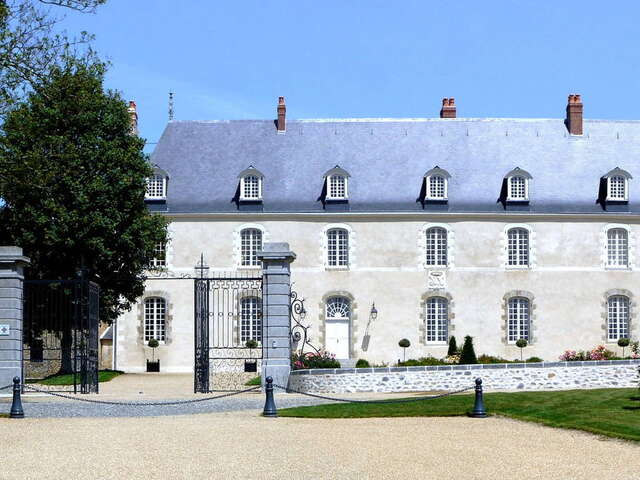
{"x":478,"y":406}
{"x":16,"y":405}
{"x":269,"y":403}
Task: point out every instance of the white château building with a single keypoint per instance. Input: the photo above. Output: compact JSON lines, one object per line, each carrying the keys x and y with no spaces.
{"x":496,"y":228}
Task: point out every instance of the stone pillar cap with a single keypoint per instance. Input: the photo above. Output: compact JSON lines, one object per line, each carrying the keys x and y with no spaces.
{"x":9,"y":254}
{"x":276,"y":251}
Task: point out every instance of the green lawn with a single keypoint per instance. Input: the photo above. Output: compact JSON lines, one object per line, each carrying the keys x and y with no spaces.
{"x":67,"y":379}
{"x":611,"y":412}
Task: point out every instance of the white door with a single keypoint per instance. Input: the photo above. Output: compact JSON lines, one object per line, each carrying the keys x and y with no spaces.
{"x":337,"y":338}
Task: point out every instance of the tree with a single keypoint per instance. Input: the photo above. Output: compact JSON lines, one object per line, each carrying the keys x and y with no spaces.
{"x":404,"y":344}
{"x":74,"y":182}
{"x":453,"y":347}
{"x":30,"y":44}
{"x":623,"y":342}
{"x":468,"y":355}
{"x":521,"y":343}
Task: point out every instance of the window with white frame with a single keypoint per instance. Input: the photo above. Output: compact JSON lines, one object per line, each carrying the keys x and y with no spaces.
{"x":337,"y":247}
{"x":156,"y":187}
{"x":617,"y":318}
{"x":436,"y":248}
{"x":155,"y":312}
{"x":437,"y":320}
{"x":251,"y":187}
{"x":250,"y":245}
{"x":251,"y":319}
{"x":518,"y":315}
{"x":338,"y":308}
{"x":436,"y":187}
{"x":337,"y":187}
{"x":518,"y":247}
{"x":159,"y":259}
{"x":617,"y":188}
{"x":518,"y":188}
{"x":617,"y":248}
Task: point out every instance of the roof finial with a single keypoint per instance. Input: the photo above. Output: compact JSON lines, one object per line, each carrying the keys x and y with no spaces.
{"x":170,"y":105}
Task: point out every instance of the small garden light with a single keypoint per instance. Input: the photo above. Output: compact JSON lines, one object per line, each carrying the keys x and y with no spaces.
{"x":374,"y":311}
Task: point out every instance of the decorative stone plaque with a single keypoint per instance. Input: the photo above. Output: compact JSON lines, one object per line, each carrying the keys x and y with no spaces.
{"x":436,"y":280}
{"x":4,"y":330}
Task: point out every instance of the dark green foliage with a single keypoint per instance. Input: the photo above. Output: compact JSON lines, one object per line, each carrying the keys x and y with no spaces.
{"x":453,"y":347}
{"x":251,"y":343}
{"x":422,"y":361}
{"x":610,"y":412}
{"x":320,"y":359}
{"x":534,"y":360}
{"x":521,"y":343}
{"x":468,"y":355}
{"x":254,"y":381}
{"x":491,"y":359}
{"x":73,"y":179}
{"x":153,"y":343}
{"x":362,"y":363}
{"x":404,"y":343}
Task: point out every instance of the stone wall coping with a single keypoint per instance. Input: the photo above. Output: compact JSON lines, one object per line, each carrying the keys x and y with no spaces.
{"x":480,"y":366}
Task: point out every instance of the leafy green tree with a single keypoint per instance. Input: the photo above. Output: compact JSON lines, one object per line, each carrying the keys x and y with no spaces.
{"x":521,"y":343}
{"x":468,"y":355}
{"x":30,"y":43}
{"x":74,"y":183}
{"x":453,"y":347}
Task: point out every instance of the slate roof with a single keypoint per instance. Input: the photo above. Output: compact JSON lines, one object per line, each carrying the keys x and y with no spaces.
{"x":387,"y":159}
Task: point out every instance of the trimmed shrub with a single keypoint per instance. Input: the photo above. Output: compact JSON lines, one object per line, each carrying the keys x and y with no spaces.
{"x":491,"y":359}
{"x":422,"y":361}
{"x":534,"y":360}
{"x":468,"y":355}
{"x":322,"y":359}
{"x":362,"y":363}
{"x":453,"y":347}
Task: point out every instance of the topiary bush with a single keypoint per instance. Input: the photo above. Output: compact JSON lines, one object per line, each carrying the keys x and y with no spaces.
{"x":623,"y":342}
{"x":468,"y":355}
{"x":404,"y":344}
{"x":534,"y":360}
{"x":453,"y":347}
{"x":362,"y":363}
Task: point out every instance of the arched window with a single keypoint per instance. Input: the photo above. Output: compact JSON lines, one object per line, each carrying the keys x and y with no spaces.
{"x":155,"y":312}
{"x":436,"y":238}
{"x":518,"y":315}
{"x":517,"y":188}
{"x":617,"y":248}
{"x":251,"y":319}
{"x":518,"y":247}
{"x":250,"y":244}
{"x":156,"y":187}
{"x":437,"y":320}
{"x":617,"y":317}
{"x":337,"y":247}
{"x":338,"y":308}
{"x":337,"y":187}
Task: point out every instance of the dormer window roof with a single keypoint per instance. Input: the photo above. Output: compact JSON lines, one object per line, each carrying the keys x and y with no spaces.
{"x":337,"y":180}
{"x":251,"y":184}
{"x":436,"y":184}
{"x":617,"y":185}
{"x":157,"y":185}
{"x":518,"y":185}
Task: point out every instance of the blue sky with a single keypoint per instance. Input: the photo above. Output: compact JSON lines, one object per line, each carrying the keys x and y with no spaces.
{"x":368,"y":58}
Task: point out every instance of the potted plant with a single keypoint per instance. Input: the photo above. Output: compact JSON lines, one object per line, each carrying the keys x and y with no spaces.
{"x":251,"y":365}
{"x":521,"y":343}
{"x":153,"y":365}
{"x":404,"y":344}
{"x":623,"y":342}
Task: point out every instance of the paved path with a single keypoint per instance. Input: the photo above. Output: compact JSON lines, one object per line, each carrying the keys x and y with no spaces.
{"x":242,"y":445}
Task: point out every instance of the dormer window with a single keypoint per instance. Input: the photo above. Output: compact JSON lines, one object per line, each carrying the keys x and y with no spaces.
{"x":518,"y":185}
{"x":157,"y":185}
{"x":436,"y":185}
{"x":617,"y":185}
{"x":337,"y":184}
{"x":251,"y":185}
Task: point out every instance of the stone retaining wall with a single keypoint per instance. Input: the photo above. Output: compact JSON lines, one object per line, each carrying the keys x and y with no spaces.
{"x":504,"y":376}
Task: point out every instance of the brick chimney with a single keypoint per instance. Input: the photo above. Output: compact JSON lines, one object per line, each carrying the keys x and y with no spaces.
{"x":282,"y":114}
{"x":133,"y":116}
{"x":448,"y":109}
{"x":574,"y":115}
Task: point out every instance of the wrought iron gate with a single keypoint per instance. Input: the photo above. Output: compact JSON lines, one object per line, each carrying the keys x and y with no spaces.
{"x":60,"y":331}
{"x":228,"y":331}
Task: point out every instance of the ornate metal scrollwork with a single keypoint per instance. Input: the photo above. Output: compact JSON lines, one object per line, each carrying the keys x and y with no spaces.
{"x":299,"y":331}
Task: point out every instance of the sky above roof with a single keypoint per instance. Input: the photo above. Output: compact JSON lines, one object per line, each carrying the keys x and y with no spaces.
{"x":367,"y":58}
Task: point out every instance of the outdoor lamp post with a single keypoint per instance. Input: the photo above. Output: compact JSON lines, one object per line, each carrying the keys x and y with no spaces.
{"x":374,"y":311}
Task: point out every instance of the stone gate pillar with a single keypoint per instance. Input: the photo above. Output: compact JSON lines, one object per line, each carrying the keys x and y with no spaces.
{"x":276,"y":298}
{"x":12,"y":264}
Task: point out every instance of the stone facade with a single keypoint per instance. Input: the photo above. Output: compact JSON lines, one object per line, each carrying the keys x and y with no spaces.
{"x":510,"y":376}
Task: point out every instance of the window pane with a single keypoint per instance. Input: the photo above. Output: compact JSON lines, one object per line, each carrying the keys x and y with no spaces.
{"x":159,"y":255}
{"x":518,"y":247}
{"x":437,"y":319}
{"x":251,"y":186}
{"x":436,"y":186}
{"x":436,"y":246}
{"x":617,"y":317}
{"x":155,"y":186}
{"x":518,"y":319}
{"x":517,"y":186}
{"x":337,"y":247}
{"x":154,"y":319}
{"x":251,"y":319}
{"x":250,"y":244}
{"x":338,"y":308}
{"x":337,"y":186}
{"x":617,"y":188}
{"x":617,"y":247}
